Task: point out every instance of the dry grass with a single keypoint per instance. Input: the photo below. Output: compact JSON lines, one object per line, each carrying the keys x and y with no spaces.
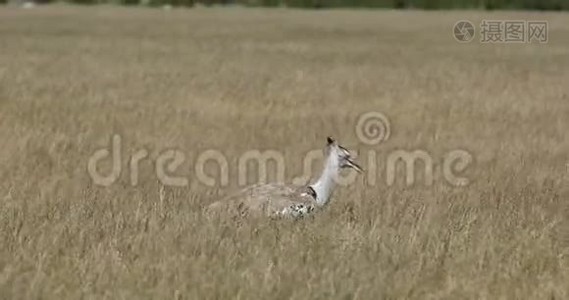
{"x":241,"y":79}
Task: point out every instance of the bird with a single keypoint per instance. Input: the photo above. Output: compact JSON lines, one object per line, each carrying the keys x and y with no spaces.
{"x":276,"y":200}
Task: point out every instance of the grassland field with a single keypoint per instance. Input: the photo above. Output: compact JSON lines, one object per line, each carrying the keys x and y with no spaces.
{"x":233,"y":80}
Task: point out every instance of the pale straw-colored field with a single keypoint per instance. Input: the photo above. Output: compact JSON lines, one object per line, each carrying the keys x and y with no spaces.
{"x":236,"y":80}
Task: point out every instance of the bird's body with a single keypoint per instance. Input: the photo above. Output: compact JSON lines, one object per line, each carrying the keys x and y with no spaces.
{"x":280,"y":200}
{"x":271,"y":200}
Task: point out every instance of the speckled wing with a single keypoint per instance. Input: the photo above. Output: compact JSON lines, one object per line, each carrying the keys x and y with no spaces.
{"x":267,"y":200}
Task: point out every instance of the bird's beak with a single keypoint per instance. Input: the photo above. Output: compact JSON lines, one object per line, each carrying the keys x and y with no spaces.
{"x":354,"y":166}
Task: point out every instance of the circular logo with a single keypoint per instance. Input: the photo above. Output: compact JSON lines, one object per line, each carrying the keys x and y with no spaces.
{"x":463,"y":31}
{"x":373,"y":128}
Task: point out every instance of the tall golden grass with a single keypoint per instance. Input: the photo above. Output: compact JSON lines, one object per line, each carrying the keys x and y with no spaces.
{"x":239,"y":79}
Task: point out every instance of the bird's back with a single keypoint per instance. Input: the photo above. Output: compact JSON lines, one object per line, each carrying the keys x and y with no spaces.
{"x":269,"y":200}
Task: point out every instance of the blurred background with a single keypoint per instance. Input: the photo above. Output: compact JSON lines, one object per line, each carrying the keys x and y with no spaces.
{"x":397,"y":4}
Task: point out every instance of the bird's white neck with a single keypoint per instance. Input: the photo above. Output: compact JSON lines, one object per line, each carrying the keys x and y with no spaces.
{"x":327,"y":181}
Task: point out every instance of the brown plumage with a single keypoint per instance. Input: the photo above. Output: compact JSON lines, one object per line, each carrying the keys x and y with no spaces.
{"x":272,"y":200}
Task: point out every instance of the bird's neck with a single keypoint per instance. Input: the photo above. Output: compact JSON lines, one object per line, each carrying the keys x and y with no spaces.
{"x":324,"y":186}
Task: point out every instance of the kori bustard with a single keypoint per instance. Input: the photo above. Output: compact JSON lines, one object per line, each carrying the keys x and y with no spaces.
{"x":282,"y":200}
